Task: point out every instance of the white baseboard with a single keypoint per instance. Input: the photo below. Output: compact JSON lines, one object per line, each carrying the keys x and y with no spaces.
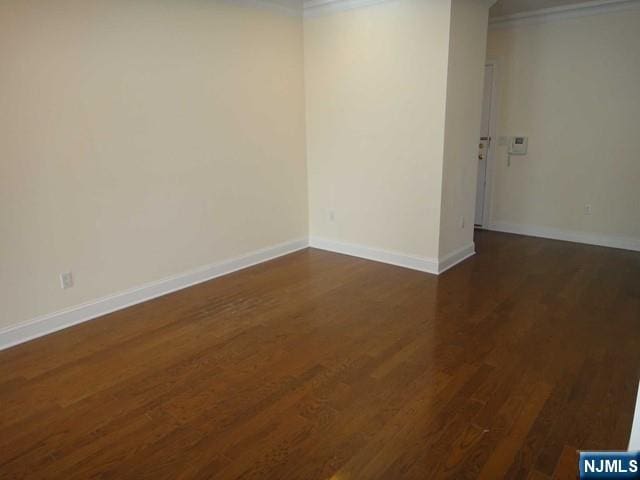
{"x":456,"y":257}
{"x":613,"y":241}
{"x":53,"y":322}
{"x":634,"y":441}
{"x":413,"y":262}
{"x":421,"y":264}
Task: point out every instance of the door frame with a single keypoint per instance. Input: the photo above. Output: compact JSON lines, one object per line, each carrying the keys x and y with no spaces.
{"x":493,"y":150}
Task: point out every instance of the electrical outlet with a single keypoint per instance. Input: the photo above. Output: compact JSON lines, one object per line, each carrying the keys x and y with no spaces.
{"x":587,"y":209}
{"x":66,"y":280}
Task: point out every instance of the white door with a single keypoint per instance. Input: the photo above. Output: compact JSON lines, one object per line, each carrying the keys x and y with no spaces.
{"x":484,"y":146}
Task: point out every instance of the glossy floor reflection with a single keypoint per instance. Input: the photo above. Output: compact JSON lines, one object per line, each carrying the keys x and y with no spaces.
{"x":319,"y":366}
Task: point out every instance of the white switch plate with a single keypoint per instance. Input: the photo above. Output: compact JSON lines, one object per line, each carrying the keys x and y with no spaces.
{"x":66,"y":280}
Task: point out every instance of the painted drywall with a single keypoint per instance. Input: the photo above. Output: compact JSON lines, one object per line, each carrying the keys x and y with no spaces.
{"x":142,"y":139}
{"x":376,"y":81}
{"x":571,"y":86}
{"x":465,"y":82}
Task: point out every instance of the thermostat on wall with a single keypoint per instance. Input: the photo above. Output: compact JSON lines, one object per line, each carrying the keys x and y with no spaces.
{"x":518,"y":145}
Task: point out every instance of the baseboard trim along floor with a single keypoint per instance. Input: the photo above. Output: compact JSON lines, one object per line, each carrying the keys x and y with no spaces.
{"x":413,"y":262}
{"x":612,"y":241}
{"x":56,"y":321}
{"x":53,"y":322}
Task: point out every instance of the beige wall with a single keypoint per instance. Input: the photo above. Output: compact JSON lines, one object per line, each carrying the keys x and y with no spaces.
{"x":572,"y":86}
{"x":467,"y":50}
{"x":141,"y":139}
{"x":376,"y":88}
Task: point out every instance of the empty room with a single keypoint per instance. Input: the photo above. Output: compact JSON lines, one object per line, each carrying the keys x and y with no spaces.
{"x":319,"y":239}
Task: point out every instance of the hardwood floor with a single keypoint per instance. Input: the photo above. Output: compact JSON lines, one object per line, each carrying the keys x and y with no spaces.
{"x":322,"y":366}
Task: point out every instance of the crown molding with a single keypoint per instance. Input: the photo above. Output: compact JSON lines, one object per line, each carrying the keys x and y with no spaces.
{"x":315,"y":8}
{"x":277,"y":6}
{"x":308,"y":8}
{"x":562,"y":13}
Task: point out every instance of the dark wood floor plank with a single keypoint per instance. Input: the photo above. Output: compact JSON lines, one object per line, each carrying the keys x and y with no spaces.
{"x":318,"y":366}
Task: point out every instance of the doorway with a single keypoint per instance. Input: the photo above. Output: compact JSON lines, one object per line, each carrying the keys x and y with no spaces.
{"x":485,"y":150}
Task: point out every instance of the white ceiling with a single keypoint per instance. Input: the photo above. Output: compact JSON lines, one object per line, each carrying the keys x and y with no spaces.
{"x":509,"y":7}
